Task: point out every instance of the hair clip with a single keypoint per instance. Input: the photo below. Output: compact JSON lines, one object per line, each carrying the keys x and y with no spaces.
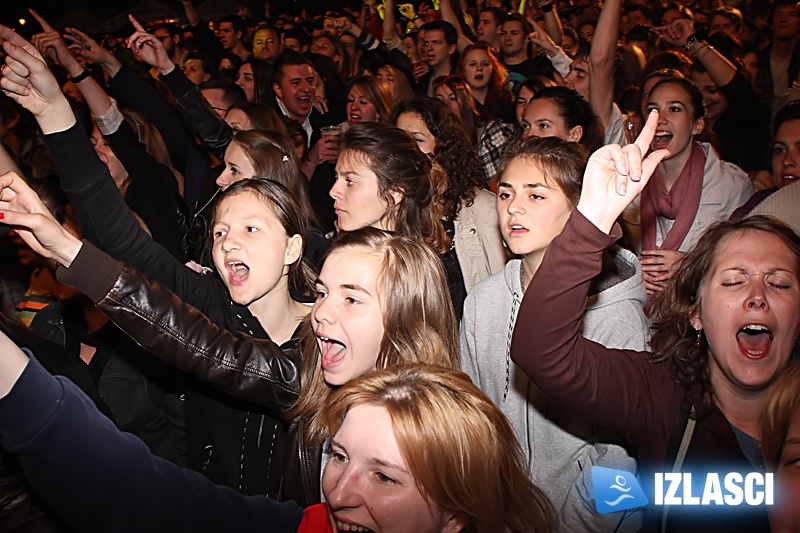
{"x":285,"y":157}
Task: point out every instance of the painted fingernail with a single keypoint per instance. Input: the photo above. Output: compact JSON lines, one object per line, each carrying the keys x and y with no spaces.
{"x":2,"y":216}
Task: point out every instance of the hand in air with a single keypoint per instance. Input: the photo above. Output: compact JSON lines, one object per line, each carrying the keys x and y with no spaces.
{"x":50,"y":44}
{"x":615,"y":175}
{"x":89,"y":49}
{"x":27,"y":80}
{"x":22,"y":208}
{"x":147,"y":47}
{"x":677,"y":32}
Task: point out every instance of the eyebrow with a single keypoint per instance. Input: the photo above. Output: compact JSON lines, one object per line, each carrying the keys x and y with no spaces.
{"x":744,"y":270}
{"x":374,"y":460}
{"x":525,"y":185}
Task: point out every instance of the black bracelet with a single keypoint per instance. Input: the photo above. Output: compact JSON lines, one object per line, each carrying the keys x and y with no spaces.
{"x":690,"y":41}
{"x":547,"y":8}
{"x":80,"y":77}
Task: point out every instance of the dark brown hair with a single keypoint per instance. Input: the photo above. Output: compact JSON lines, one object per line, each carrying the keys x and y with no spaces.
{"x":674,"y":338}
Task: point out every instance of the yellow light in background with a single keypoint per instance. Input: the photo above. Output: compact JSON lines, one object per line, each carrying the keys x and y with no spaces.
{"x":21,"y":22}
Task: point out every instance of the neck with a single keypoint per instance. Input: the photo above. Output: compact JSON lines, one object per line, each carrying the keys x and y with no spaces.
{"x":442,"y":69}
{"x":671,"y":168}
{"x":239,"y":50}
{"x":278,"y":313}
{"x":741,"y":408}
{"x":481,"y":94}
{"x":783,"y":46}
{"x":515,"y":58}
{"x":530,"y":264}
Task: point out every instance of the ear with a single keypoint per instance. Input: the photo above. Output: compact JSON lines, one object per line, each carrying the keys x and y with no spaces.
{"x":277,"y":90}
{"x":698,"y":126}
{"x":451,"y":49}
{"x":454,"y":524}
{"x":294,"y":250}
{"x":575,"y":134}
{"x":695,"y":320}
{"x":397,"y":196}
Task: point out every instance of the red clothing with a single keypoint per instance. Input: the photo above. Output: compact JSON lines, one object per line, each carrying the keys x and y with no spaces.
{"x":316,"y":520}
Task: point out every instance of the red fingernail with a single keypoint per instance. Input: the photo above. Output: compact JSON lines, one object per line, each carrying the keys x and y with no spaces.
{"x":2,"y":216}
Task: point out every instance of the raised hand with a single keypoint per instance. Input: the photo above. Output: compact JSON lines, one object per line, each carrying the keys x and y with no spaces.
{"x":22,"y":208}
{"x":615,"y":175}
{"x":541,"y":38}
{"x":677,"y":32}
{"x":50,"y":44}
{"x":147,"y":47}
{"x":27,"y":80}
{"x":86,"y":47}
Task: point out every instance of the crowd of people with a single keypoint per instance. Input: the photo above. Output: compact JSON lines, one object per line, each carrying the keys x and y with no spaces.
{"x":400,"y":267}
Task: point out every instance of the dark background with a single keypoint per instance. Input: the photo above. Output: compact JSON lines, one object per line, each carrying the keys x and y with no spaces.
{"x":12,"y":10}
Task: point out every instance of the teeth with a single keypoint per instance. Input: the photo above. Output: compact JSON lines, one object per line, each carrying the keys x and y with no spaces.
{"x":662,"y":133}
{"x":755,"y":327}
{"x":341,"y":526}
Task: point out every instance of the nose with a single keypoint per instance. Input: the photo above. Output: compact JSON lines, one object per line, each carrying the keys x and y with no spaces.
{"x":757,"y":299}
{"x":515,"y":206}
{"x":790,"y":159}
{"x":336,"y":190}
{"x":230,"y":242}
{"x":348,"y":491}
{"x":224,"y":180}
{"x":324,"y":311}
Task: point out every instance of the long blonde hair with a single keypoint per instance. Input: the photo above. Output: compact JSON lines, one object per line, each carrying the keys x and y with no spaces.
{"x":461,"y":450}
{"x":418,"y":318}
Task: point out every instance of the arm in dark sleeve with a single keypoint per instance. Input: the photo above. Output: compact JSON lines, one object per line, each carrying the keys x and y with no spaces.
{"x":106,"y":220}
{"x":99,"y":479}
{"x":143,"y":97}
{"x":608,"y":387}
{"x":153,"y":191}
{"x":254,"y":370}
{"x":213,"y":132}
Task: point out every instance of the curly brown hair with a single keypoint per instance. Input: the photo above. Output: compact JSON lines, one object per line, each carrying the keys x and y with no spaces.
{"x":455,"y":152}
{"x":674,"y":338}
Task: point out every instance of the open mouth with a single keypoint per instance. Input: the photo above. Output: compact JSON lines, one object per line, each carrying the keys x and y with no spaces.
{"x":517,"y":229}
{"x":661,"y":139}
{"x":789,"y":179}
{"x":238,"y":272}
{"x":333,"y":352}
{"x":754,"y":340}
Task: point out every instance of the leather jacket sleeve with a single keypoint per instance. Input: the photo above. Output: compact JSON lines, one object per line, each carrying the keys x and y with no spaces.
{"x":249,"y":369}
{"x":213,"y":132}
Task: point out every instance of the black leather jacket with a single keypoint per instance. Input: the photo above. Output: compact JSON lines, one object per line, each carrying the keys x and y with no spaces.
{"x":256,"y":371}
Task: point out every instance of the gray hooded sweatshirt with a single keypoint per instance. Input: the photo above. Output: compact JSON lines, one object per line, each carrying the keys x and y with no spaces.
{"x":560,"y":449}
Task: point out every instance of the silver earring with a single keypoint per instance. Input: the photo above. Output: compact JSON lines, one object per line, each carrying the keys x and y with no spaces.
{"x":698,"y":340}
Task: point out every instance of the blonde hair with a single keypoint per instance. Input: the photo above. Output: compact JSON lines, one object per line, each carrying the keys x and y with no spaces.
{"x":460,"y":448}
{"x":418,"y":318}
{"x":780,"y":410}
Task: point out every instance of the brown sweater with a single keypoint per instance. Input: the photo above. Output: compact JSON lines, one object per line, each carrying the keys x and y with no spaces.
{"x":622,"y":390}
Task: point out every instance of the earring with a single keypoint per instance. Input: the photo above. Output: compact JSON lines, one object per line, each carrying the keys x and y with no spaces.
{"x":698,"y":340}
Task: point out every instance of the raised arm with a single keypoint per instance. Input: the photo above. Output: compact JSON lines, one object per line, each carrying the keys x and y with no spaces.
{"x":102,"y":213}
{"x":601,"y":61}
{"x":600,"y":386}
{"x":680,"y":31}
{"x":449,"y":15}
{"x":254,"y":370}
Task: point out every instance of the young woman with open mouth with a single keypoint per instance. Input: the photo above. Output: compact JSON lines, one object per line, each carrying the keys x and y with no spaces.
{"x":723,"y":332}
{"x":487,"y":77}
{"x":691,"y":188}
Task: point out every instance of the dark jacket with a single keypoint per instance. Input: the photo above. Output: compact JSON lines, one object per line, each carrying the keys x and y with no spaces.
{"x":231,"y":441}
{"x":100,"y":479}
{"x":623,"y":390}
{"x":257,"y":371}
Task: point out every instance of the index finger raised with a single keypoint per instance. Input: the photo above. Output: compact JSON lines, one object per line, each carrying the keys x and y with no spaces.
{"x":136,"y":24}
{"x":42,"y":22}
{"x":648,"y":132}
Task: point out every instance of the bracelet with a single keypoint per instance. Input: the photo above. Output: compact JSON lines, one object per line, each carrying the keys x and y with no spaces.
{"x":690,"y":41}
{"x":546,"y":8}
{"x":80,"y":77}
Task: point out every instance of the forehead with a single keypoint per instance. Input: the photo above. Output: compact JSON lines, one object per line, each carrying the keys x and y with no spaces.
{"x":412,"y":122}
{"x":512,"y":25}
{"x":244,"y":204}
{"x":434,"y":35}
{"x":193,"y":63}
{"x":265,"y":34}
{"x":755,"y":248}
{"x":671,"y":92}
{"x":226,"y":25}
{"x":477,"y":55}
{"x":356,"y":161}
{"x":542,"y":108}
{"x":486,"y":16}
{"x":789,"y":132}
{"x":235,"y":153}
{"x":296,"y":71}
{"x":356,"y":265}
{"x":522,"y":170}
{"x":368,"y":429}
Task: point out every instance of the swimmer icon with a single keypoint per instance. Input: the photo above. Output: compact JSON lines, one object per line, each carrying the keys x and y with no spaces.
{"x":616,"y":490}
